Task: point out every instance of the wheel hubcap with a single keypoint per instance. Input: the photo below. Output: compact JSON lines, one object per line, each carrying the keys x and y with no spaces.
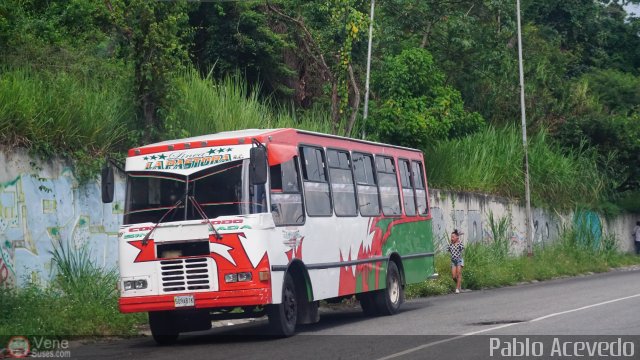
{"x":394,"y":290}
{"x":289,"y":305}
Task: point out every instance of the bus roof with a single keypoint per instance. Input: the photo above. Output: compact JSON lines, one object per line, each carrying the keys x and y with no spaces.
{"x":242,"y":136}
{"x":356,"y":140}
{"x":217,"y":136}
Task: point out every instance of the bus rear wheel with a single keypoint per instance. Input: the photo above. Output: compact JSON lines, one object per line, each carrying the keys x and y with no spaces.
{"x":163,"y":327}
{"x":283,"y":316}
{"x":388,"y":300}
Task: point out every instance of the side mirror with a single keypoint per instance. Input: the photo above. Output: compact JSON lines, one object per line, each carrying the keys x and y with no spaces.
{"x":258,"y":165}
{"x":107,"y":184}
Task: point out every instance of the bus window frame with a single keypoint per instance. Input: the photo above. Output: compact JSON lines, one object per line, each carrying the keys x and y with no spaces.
{"x":296,"y":160}
{"x":424,"y":183}
{"x":411,"y":187}
{"x":353,"y":178}
{"x":374,"y":172}
{"x":398,"y":185}
{"x":328,"y":182}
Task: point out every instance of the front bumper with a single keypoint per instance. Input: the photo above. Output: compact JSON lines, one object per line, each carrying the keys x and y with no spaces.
{"x":203,"y":300}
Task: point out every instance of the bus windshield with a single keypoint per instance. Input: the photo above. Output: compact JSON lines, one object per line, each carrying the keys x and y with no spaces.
{"x":222,"y":190}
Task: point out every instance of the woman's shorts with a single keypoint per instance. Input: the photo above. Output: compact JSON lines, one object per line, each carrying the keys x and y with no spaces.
{"x":457,"y":262}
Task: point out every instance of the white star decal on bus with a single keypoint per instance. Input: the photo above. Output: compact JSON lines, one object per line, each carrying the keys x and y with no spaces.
{"x":222,"y":250}
{"x":368,"y":240}
{"x":255,"y":249}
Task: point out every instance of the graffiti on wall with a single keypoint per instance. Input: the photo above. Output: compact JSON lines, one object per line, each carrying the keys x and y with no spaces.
{"x":38,"y":213}
{"x":8,"y":220}
{"x":7,"y":271}
{"x":473,"y":217}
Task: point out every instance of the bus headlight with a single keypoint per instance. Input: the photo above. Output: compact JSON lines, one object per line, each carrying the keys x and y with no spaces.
{"x":138,"y":284}
{"x":238,"y":277}
{"x":128,"y":285}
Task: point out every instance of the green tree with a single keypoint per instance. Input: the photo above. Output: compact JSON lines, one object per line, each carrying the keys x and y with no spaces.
{"x":56,"y":34}
{"x":231,"y":36}
{"x":156,"y":37}
{"x":605,"y":116}
{"x":598,"y":32}
{"x":328,"y":34}
{"x":414,"y":106}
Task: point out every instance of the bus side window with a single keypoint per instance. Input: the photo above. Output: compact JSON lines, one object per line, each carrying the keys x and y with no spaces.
{"x":316,"y":187}
{"x":286,"y":199}
{"x":388,"y":182}
{"x":419,"y":185}
{"x":342,"y":188}
{"x":408,"y":195}
{"x":367,"y":186}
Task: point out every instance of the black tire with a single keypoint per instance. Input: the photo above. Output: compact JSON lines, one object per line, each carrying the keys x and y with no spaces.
{"x":367,"y":303}
{"x":388,"y":300}
{"x":163,"y":327}
{"x":283,"y":316}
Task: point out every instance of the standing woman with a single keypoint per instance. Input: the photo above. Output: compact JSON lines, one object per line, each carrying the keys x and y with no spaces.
{"x":455,"y":247}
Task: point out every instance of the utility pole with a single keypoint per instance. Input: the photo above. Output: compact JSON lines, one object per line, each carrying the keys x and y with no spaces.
{"x":366,"y":86}
{"x":527,"y":188}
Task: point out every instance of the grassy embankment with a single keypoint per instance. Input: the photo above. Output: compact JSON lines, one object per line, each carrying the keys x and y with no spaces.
{"x":489,"y":264}
{"x":84,"y":117}
{"x":490,"y":161}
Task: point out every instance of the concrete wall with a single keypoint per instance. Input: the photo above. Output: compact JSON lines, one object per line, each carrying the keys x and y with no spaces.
{"x":42,"y":205}
{"x":471,"y":213}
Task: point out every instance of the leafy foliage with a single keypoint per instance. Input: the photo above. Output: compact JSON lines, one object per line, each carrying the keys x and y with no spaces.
{"x":47,"y":32}
{"x":232,"y":36}
{"x":328,"y":33}
{"x":154,"y":35}
{"x":605,"y":117}
{"x":414,"y":107}
{"x":440,"y":70}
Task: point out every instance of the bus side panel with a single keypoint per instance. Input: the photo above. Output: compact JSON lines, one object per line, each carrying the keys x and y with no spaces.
{"x":413,"y":238}
{"x":335,"y":252}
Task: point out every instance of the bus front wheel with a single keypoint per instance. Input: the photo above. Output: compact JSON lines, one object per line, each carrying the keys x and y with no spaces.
{"x":283,"y":316}
{"x":388,"y":300}
{"x":163,"y":329}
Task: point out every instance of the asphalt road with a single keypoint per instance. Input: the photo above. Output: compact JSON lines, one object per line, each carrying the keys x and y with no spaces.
{"x":539,"y":318}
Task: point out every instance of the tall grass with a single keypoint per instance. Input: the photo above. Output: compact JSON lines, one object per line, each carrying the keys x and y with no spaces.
{"x":60,"y":112}
{"x":81,"y":300}
{"x":204,"y":105}
{"x":501,"y":236}
{"x":76,"y":274}
{"x":491,"y":161}
{"x":578,"y":250}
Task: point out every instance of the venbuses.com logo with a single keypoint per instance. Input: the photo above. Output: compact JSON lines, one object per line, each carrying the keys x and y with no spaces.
{"x":18,"y":347}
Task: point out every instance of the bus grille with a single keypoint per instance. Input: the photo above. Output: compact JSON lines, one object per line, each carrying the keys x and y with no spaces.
{"x":185,"y":274}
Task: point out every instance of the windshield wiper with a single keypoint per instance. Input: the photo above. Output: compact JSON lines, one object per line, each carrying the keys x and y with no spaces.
{"x":145,"y":239}
{"x":204,"y":216}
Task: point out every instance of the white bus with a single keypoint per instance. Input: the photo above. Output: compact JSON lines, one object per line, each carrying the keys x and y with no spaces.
{"x":255,"y":222}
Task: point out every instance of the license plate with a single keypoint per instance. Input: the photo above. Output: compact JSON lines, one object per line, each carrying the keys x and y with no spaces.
{"x":184,"y":301}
